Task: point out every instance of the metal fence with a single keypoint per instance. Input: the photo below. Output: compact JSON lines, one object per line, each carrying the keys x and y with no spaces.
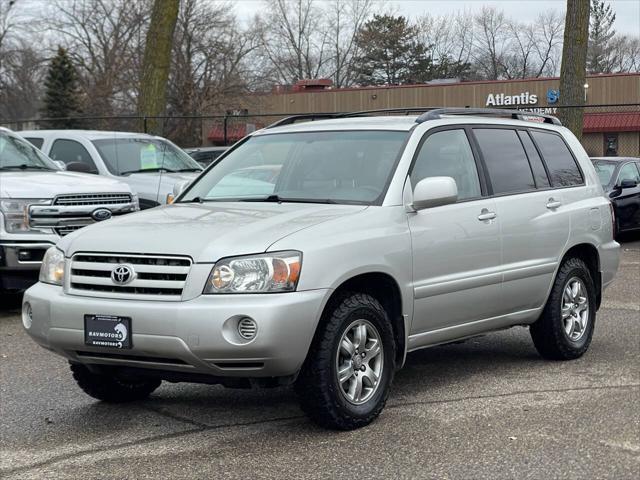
{"x":205,"y":130}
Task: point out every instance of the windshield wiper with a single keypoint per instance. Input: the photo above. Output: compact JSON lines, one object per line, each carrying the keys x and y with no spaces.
{"x":24,"y":166}
{"x":279,"y":199}
{"x":148,"y":170}
{"x":188,"y":170}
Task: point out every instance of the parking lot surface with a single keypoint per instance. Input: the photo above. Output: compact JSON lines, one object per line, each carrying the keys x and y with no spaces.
{"x":486,"y":408}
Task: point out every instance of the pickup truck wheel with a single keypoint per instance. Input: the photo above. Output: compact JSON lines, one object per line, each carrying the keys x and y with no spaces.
{"x":346,"y":378}
{"x":110,"y":388}
{"x":565,"y":328}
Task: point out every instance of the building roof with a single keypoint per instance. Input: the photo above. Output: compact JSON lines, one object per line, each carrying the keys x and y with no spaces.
{"x":612,"y":122}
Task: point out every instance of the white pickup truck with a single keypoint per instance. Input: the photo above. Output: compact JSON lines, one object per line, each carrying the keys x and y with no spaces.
{"x":40,"y":203}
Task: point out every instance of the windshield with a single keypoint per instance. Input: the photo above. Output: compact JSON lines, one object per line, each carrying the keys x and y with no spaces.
{"x":18,"y":154}
{"x":124,"y":156}
{"x":315,"y":167}
{"x":605,"y":171}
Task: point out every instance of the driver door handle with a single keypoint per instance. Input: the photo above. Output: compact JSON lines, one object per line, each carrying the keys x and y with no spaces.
{"x":486,"y":215}
{"x":552,"y":204}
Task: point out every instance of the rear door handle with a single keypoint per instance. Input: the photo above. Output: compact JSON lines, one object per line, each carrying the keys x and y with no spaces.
{"x":552,"y":204}
{"x":486,"y":215}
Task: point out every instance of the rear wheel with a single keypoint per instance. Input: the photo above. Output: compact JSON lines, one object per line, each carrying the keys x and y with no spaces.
{"x":345,"y":380}
{"x":565,"y":328}
{"x":110,"y":388}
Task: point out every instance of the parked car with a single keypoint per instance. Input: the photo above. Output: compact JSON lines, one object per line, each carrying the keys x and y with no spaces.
{"x":40,"y":203}
{"x":381,"y":236}
{"x":150,"y":164}
{"x":620,"y":179}
{"x":205,"y":155}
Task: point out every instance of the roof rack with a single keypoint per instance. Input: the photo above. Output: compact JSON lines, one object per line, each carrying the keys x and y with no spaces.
{"x":303,"y":116}
{"x":437,"y":113}
{"x":324,"y":116}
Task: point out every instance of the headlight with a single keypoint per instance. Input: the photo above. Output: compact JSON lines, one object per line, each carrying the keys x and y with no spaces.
{"x":136,"y":201}
{"x":16,"y":213}
{"x":52,"y":269}
{"x":268,"y":273}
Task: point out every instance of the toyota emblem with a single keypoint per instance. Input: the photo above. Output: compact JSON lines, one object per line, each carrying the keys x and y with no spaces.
{"x":123,"y":274}
{"x":100,"y":214}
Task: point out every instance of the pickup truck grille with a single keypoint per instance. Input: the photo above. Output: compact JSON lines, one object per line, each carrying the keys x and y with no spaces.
{"x":99,"y":199}
{"x":151,"y":275}
{"x":68,"y":213}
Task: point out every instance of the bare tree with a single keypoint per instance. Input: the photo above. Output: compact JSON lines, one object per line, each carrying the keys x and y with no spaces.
{"x":209,"y":71}
{"x":549,"y":31}
{"x":490,"y":42}
{"x":345,"y":18}
{"x":105,"y":40}
{"x":293,"y":39}
{"x":627,"y":53}
{"x":574,"y":64}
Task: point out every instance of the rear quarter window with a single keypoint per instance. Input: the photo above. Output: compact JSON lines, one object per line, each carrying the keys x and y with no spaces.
{"x":562,"y":167}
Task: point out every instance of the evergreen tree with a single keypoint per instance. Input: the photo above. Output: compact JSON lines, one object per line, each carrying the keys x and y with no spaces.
{"x":62,"y":97}
{"x":601,"y":56}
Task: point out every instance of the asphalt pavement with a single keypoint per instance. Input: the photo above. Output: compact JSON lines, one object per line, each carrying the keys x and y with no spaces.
{"x":486,"y":408}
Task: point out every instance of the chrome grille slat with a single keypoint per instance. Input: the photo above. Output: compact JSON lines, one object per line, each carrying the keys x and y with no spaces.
{"x":156,"y":275}
{"x":92,"y":199}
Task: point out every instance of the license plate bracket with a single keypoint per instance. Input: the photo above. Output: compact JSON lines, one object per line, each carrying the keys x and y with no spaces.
{"x":109,"y":331}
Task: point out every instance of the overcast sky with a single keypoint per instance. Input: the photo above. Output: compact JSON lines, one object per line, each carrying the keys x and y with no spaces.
{"x":627,"y":11}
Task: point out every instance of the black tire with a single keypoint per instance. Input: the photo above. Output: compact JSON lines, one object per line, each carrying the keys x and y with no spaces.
{"x":317,"y":385}
{"x":548,"y":333}
{"x":110,"y":388}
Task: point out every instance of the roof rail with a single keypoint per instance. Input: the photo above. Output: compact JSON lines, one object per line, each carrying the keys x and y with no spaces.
{"x":303,"y":116}
{"x":405,"y":110}
{"x":437,"y":113}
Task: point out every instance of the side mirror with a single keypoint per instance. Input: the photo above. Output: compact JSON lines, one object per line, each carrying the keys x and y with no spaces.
{"x":178,"y":188}
{"x":61,"y":164}
{"x":434,"y":192}
{"x":628,"y":183}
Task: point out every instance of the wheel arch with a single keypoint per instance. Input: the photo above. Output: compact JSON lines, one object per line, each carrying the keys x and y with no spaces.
{"x":384,"y":288}
{"x":588,"y":253}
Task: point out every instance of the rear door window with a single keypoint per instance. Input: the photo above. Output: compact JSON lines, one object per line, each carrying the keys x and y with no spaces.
{"x":563,"y":169}
{"x":506,"y":161}
{"x":537,"y":167}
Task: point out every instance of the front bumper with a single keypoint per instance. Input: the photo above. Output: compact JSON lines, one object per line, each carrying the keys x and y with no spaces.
{"x":197,"y":336}
{"x":20,"y":260}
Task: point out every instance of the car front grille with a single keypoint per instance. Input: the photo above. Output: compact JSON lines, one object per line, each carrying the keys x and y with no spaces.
{"x":67,"y":213}
{"x":153,"y":276}
{"x":100,"y":199}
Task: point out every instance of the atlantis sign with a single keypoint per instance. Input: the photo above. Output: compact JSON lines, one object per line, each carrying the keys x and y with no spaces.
{"x":521,"y":99}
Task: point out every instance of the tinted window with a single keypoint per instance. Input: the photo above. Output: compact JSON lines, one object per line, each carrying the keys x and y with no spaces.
{"x":448,"y":154}
{"x":506,"y":161}
{"x":36,"y":142}
{"x":562,"y":167}
{"x":628,"y":172}
{"x":537,"y":167}
{"x":70,"y":151}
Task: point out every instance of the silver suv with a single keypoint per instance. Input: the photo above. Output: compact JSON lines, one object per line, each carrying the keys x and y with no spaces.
{"x":319,"y":253}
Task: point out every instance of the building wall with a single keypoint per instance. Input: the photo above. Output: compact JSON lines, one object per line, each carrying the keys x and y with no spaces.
{"x":628,"y":144}
{"x":603,"y":89}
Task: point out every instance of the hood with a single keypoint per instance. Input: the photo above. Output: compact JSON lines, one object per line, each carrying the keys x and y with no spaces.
{"x":155,"y":187}
{"x":205,"y":232}
{"x":48,"y":184}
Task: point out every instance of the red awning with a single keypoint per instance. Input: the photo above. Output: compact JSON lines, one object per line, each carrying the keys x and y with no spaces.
{"x":611,"y":122}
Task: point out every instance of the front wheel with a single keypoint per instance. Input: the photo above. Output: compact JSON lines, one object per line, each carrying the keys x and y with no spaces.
{"x":565,"y":328}
{"x":346,"y":378}
{"x":110,"y":388}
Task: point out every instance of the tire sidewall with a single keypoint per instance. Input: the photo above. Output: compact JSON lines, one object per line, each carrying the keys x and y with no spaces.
{"x":583,"y":274}
{"x":388,"y":347}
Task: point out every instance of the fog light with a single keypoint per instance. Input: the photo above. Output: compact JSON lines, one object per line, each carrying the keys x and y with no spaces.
{"x":247,"y":328}
{"x":27,"y":315}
